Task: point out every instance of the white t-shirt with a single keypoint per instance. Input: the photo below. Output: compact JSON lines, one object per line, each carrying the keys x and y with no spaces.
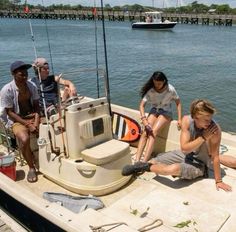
{"x":10,"y":95}
{"x":161,"y":100}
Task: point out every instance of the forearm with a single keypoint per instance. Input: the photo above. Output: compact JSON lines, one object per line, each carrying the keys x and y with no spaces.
{"x":68,"y":83}
{"x":142,"y":114}
{"x":192,"y":145}
{"x":142,"y":109}
{"x":16,"y":118}
{"x":36,"y":120}
{"x":179,"y":110}
{"x":71,"y":87}
{"x":216,"y":167}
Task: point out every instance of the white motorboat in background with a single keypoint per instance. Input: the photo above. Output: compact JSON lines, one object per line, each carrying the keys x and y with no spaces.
{"x":153,"y":20}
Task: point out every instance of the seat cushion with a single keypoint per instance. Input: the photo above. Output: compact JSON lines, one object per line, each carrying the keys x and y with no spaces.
{"x":105,"y":152}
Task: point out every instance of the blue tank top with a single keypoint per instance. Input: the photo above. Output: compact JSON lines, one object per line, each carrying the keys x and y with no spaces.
{"x":49,"y":86}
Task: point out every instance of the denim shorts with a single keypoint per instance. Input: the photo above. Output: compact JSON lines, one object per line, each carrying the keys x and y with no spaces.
{"x":160,"y":111}
{"x":190,"y":169}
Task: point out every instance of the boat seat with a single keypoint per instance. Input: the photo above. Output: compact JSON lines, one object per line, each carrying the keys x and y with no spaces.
{"x":105,"y":152}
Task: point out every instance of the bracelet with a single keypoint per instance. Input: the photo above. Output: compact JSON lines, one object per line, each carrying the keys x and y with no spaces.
{"x":218,"y":181}
{"x":143,"y":117}
{"x":203,"y":137}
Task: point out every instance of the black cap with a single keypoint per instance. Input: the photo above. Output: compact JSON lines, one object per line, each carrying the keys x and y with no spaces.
{"x":19,"y":64}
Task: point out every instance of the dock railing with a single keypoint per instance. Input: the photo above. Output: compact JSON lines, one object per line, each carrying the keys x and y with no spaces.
{"x":204,"y":19}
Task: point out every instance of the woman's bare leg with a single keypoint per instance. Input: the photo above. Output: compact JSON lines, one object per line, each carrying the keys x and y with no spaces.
{"x":144,"y":140}
{"x":159,"y":123}
{"x":141,"y":146}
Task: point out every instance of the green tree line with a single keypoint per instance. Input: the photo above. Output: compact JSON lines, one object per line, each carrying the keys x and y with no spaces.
{"x":194,"y":7}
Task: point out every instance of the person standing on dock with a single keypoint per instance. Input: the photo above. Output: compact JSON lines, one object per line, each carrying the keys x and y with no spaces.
{"x":20,"y":100}
{"x":160,"y":95}
{"x":50,"y":84}
{"x":199,"y":141}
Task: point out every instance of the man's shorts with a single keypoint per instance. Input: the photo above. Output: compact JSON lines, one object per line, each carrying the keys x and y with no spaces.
{"x":18,"y":127}
{"x":190,"y":169}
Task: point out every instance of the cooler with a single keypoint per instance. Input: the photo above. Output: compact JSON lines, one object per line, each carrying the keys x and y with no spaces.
{"x":8,"y":165}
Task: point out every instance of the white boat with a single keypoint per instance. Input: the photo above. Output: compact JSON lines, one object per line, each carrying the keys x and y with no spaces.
{"x":82,"y":156}
{"x":153,"y":20}
{"x":92,"y":165}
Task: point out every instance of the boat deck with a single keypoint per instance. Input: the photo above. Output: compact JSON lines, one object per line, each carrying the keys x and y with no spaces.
{"x":180,"y":205}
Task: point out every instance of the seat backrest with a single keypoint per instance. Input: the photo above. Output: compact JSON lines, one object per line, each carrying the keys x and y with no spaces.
{"x":87,"y":124}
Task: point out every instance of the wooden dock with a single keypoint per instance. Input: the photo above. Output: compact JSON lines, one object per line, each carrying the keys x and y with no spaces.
{"x":7,"y":224}
{"x":204,"y":19}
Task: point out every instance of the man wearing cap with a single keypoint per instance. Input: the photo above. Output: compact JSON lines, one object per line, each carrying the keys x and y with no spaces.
{"x":49,"y":84}
{"x":20,"y":100}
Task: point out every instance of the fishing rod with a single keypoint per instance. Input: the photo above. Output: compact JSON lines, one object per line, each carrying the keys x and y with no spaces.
{"x":60,"y":114}
{"x":49,"y":45}
{"x":58,"y":87}
{"x":55,"y":150}
{"x":106,"y":63}
{"x":96,"y":44}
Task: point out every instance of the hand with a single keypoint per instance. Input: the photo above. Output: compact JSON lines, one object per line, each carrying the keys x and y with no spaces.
{"x":36,"y":120}
{"x":179,"y":124}
{"x":72,"y":90}
{"x":148,"y":130}
{"x":225,"y":187}
{"x":210,"y":131}
{"x":32,"y":128}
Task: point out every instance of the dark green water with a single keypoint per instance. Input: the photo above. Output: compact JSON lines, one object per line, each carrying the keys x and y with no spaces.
{"x":198,"y":60}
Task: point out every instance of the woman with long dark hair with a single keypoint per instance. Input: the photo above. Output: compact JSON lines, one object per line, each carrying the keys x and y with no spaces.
{"x":157,"y":92}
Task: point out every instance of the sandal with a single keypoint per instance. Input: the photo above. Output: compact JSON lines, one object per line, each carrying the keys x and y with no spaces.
{"x":32,"y":176}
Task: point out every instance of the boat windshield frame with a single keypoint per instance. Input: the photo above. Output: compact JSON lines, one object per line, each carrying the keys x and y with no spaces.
{"x":153,"y":16}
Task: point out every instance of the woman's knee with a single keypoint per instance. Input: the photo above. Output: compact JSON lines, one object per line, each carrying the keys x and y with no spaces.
{"x":159,"y":125}
{"x":155,"y":133}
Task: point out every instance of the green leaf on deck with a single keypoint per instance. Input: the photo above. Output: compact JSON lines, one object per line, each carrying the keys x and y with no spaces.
{"x":134,"y":211}
{"x":183,"y":224}
{"x":186,"y":203}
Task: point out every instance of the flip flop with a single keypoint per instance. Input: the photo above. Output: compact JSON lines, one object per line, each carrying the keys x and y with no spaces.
{"x":32,"y":176}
